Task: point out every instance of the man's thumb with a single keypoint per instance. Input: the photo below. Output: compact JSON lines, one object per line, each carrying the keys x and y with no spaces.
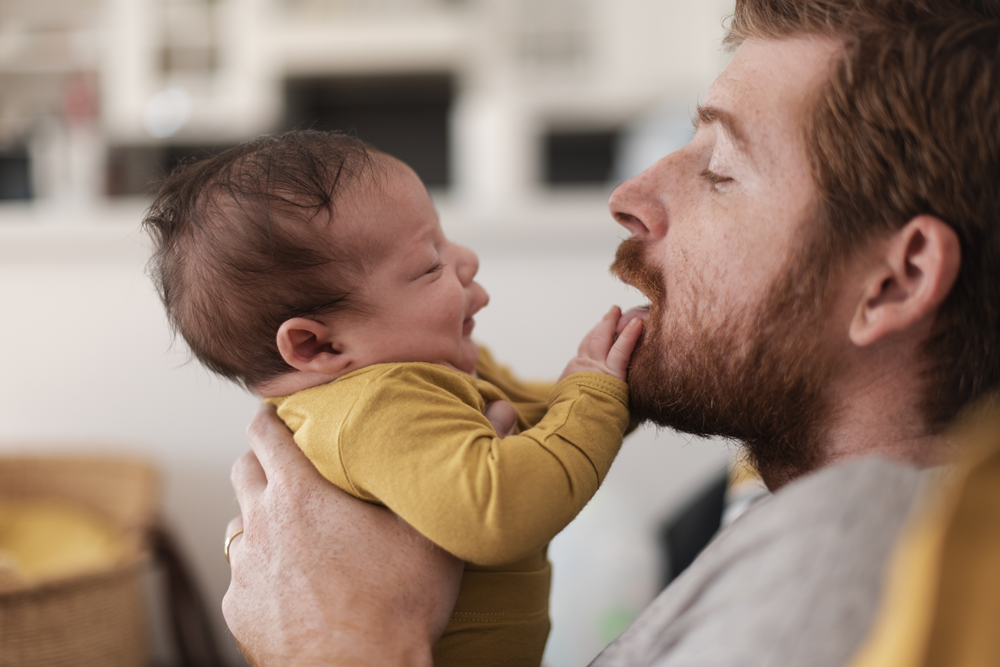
{"x":503,"y":417}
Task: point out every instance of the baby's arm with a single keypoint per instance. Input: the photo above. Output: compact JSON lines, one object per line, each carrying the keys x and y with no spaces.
{"x":599,"y":352}
{"x":487,"y":499}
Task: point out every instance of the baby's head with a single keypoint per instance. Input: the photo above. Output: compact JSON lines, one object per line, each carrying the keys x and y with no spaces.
{"x":291,"y":260}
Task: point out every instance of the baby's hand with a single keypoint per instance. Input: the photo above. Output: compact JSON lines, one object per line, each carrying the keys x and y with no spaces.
{"x":600,"y":352}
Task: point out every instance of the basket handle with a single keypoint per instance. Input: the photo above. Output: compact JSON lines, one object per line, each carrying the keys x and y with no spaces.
{"x":193,"y":638}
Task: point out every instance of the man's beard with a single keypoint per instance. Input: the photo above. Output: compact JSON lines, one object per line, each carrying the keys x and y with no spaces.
{"x":759,"y":378}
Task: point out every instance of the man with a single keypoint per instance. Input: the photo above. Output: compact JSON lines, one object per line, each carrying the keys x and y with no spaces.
{"x":822,"y":267}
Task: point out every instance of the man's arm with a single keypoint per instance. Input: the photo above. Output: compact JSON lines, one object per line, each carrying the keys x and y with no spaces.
{"x":321,"y":578}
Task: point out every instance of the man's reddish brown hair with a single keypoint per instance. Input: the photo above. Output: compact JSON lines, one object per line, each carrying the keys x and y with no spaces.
{"x":245,"y":240}
{"x":909,"y":124}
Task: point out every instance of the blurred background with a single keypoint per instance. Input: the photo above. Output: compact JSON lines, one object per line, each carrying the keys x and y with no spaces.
{"x":520,"y":115}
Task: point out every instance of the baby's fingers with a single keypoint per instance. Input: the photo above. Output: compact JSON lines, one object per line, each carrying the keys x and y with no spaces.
{"x":583,"y":349}
{"x":602,"y":337}
{"x":621,"y":351}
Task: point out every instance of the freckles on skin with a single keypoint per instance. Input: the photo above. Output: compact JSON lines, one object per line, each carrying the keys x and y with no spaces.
{"x":776,"y":186}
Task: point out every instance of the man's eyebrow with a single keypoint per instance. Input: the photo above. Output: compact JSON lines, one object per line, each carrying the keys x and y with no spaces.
{"x":710,"y":114}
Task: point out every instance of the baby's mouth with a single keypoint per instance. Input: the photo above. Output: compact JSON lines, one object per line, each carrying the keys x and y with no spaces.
{"x":468,"y":324}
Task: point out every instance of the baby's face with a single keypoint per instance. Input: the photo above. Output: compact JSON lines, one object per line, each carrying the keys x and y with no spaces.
{"x":422,"y":295}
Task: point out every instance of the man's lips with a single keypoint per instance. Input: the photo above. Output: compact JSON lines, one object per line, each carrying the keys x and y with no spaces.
{"x":642,"y":313}
{"x":467,"y":326}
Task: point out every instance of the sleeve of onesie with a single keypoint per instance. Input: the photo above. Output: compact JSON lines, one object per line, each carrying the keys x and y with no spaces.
{"x":421,"y":446}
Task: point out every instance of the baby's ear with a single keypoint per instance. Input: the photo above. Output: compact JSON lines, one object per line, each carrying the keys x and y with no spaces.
{"x":310,"y":346}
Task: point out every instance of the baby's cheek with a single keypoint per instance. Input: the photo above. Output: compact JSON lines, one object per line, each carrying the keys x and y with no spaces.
{"x":455,"y":308}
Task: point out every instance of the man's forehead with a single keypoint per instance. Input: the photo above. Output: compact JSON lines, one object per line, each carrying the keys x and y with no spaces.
{"x":779,"y":65}
{"x":768,"y":87}
{"x":707,"y":114}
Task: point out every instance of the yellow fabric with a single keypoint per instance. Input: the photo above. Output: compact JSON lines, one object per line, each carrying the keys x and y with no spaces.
{"x":413,"y":437}
{"x":47,"y":539}
{"x":741,"y":472}
{"x":942,"y":605}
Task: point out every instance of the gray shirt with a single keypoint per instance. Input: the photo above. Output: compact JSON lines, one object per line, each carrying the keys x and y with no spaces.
{"x":795,"y":580}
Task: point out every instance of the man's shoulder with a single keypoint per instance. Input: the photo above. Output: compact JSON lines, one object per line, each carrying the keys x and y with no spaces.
{"x":870,"y":487}
{"x":795,"y":580}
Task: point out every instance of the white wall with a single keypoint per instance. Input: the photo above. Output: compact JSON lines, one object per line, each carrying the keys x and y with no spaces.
{"x":87,"y":367}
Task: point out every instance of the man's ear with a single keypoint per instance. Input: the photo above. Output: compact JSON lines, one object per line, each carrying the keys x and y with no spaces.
{"x":914,"y":272}
{"x":310,"y":346}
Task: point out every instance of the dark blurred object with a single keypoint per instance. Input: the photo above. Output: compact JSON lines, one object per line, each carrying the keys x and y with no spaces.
{"x":15,"y":174}
{"x":405,"y":116}
{"x":689,"y":531}
{"x":189,"y":620}
{"x":137,"y":170}
{"x":573,"y":158}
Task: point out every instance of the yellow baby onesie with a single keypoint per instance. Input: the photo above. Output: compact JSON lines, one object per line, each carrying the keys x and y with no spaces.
{"x":412,"y":437}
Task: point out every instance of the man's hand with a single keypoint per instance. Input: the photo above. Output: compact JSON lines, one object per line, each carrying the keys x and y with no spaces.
{"x":321,"y":578}
{"x":601,"y":352}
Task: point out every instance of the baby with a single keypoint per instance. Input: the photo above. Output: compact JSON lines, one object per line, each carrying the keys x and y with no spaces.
{"x":312,"y":270}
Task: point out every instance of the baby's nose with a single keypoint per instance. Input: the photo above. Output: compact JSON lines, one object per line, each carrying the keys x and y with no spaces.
{"x":468,"y":265}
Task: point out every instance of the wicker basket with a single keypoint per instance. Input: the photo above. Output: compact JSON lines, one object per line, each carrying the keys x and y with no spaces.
{"x":98,"y":619}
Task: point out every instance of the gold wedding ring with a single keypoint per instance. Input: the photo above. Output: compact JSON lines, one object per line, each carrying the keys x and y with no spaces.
{"x":229,"y":540}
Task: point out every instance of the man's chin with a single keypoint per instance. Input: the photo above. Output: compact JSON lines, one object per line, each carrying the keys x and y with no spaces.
{"x":706,"y":388}
{"x":757,"y":375}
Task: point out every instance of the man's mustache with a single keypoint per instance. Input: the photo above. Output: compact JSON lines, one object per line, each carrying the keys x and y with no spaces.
{"x":631,"y":268}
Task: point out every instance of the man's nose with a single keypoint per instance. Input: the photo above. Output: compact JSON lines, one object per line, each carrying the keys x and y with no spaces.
{"x":638,"y":203}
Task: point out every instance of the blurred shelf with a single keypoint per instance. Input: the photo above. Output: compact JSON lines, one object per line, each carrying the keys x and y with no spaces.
{"x":551,"y":223}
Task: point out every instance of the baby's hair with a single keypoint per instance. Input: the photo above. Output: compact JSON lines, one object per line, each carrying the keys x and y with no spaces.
{"x":244,"y":241}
